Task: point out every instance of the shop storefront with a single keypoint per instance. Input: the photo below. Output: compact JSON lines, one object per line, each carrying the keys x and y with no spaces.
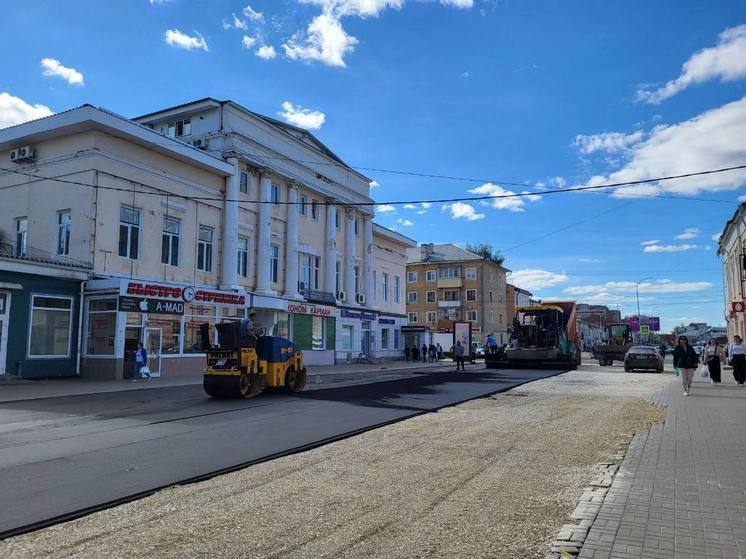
{"x":165,"y":318}
{"x":39,"y":308}
{"x":312,"y":327}
{"x":389,"y":332}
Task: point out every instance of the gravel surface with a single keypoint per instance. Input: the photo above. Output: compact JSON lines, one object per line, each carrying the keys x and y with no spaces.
{"x":494,"y":477}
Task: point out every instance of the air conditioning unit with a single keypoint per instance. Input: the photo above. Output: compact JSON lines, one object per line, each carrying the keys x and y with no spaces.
{"x":200,"y":143}
{"x":360,"y":298}
{"x":341,"y":296}
{"x":301,"y":286}
{"x":25,"y":153}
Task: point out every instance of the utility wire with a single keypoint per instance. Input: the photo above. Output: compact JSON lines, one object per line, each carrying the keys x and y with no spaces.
{"x":589,"y":188}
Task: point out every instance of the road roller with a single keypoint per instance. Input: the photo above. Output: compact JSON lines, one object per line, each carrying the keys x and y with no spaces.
{"x":243,"y":364}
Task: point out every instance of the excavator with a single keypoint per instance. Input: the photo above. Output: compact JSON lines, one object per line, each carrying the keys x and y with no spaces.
{"x":243,"y":363}
{"x":614,"y":347}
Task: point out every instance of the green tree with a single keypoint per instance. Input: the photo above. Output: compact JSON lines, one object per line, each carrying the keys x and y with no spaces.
{"x":486,"y":251}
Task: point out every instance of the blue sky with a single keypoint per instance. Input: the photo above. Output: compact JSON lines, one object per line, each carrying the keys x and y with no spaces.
{"x":543,"y":93}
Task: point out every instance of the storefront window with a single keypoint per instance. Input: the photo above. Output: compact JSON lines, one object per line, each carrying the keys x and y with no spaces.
{"x":317,"y":332}
{"x":234,"y":313}
{"x":282,"y":325}
{"x":194,"y":315}
{"x":102,"y":326}
{"x":385,"y":338}
{"x":170,"y":325}
{"x":51,"y":326}
{"x":347,"y":337}
{"x":134,"y":319}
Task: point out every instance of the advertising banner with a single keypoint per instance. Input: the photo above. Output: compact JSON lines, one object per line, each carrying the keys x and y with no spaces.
{"x":462,"y":333}
{"x":634,"y":324}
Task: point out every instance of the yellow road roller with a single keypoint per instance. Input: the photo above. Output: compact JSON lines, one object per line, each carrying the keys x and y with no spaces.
{"x":242,"y":365}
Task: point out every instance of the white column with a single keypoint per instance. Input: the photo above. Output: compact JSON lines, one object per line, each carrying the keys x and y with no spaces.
{"x":263,"y":235}
{"x":291,"y":245}
{"x":368,"y":259}
{"x":349,"y":263}
{"x":229,"y":254}
{"x":330,"y":256}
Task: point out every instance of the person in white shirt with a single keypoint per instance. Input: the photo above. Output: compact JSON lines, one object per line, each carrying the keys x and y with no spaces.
{"x":737,"y":353}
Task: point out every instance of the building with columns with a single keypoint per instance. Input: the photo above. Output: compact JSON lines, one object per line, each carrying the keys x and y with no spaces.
{"x":732,"y":253}
{"x":196,"y":214}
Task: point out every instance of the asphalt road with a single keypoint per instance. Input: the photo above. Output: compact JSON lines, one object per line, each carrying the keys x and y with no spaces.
{"x":60,"y":457}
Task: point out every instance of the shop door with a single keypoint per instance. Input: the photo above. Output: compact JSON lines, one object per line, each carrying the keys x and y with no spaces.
{"x":4,"y":314}
{"x":153,"y":343}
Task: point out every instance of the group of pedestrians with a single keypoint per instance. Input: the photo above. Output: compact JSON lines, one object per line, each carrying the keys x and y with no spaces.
{"x":686,"y":360}
{"x":427,"y":354}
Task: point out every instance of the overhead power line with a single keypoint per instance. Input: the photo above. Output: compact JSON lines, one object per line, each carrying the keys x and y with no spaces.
{"x":588,"y":188}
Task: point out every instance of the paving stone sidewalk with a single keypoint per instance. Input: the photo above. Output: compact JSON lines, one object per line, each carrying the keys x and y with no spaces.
{"x":680,"y":491}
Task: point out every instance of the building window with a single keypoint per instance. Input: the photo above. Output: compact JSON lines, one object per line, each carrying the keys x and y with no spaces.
{"x":375,"y":286}
{"x":275,"y":193}
{"x":180,"y":128}
{"x":274,"y":262}
{"x":51,"y":326}
{"x":501,"y":319}
{"x":430,"y":275}
{"x":411,"y":277}
{"x":471,"y":315}
{"x":316,"y":262}
{"x":471,"y":294}
{"x":397,"y":289}
{"x":337,"y":220}
{"x":204,"y":249}
{"x":101,"y":326}
{"x":431,"y":317}
{"x":412,"y":317}
{"x":431,"y":296}
{"x":314,"y":210}
{"x":471,"y":273}
{"x":21,"y":236}
{"x":490,"y":277}
{"x":357,"y":279}
{"x":411,"y":297}
{"x":195,"y":315}
{"x":492,"y":317}
{"x":170,"y":241}
{"x":129,"y":232}
{"x":384,"y":338}
{"x":451,"y":295}
{"x":243,"y":183}
{"x":243,"y":257}
{"x":346,"y":340}
{"x":310,"y":271}
{"x":64,"y":221}
{"x":338,"y":272}
{"x":357,"y":226}
{"x":490,"y":296}
{"x":385,"y":286}
{"x":396,"y":339}
{"x":302,"y":205}
{"x":447,"y":273}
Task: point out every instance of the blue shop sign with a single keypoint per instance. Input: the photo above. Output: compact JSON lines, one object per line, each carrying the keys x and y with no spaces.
{"x":386,"y":321}
{"x":361,"y":315}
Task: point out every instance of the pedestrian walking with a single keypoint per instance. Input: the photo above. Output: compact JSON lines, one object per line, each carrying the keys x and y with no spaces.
{"x":407,"y":351}
{"x":458,"y":356}
{"x":438,"y":352}
{"x":424,"y":353}
{"x":737,"y":352}
{"x":432,"y":351}
{"x":141,"y":361}
{"x":713,"y":358}
{"x":685,"y":359}
{"x":415,"y":354}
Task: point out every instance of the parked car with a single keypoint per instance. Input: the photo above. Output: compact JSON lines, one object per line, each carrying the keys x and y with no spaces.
{"x":644,"y":358}
{"x":477,"y":349}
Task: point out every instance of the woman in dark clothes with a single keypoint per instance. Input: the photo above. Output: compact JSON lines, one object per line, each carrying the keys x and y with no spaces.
{"x":737,"y":352}
{"x":713,"y":358}
{"x":686,"y":360}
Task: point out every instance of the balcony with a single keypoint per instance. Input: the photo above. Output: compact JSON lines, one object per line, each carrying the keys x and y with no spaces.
{"x":32,"y":254}
{"x":450,"y":282}
{"x":450,"y":304}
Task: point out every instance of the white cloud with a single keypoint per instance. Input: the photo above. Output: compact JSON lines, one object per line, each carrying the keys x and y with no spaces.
{"x":591,"y":260}
{"x":252,"y":14}
{"x":385,"y":208}
{"x":267,"y":52}
{"x":459,"y":210}
{"x":325,"y":41}
{"x":374,"y":184}
{"x":726,"y":61}
{"x":742,"y":198}
{"x":648,"y":243}
{"x":458,"y":3}
{"x":160,"y":1}
{"x":405,"y":222}
{"x":609,"y":142}
{"x":669,"y":248}
{"x":359,"y":8}
{"x":14,"y":110}
{"x":409,"y":207}
{"x":513,"y":204}
{"x":236,"y":23}
{"x":688,"y":233}
{"x":536,"y":279}
{"x":711,"y":140}
{"x":299,"y":116}
{"x":716,"y":237}
{"x":426,"y":205}
{"x":53,"y":67}
{"x":247,"y":42}
{"x":660,"y":286}
{"x":176,"y":38}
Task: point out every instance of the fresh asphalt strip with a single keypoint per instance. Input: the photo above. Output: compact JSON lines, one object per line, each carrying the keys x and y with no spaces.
{"x":48,"y":480}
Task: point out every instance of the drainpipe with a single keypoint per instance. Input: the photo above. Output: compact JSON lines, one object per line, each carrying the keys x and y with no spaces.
{"x":80,"y":329}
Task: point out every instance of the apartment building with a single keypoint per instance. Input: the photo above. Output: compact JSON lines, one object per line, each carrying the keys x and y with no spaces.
{"x":446,"y":283}
{"x":732,"y":253}
{"x":516,"y":297}
{"x":193,"y":214}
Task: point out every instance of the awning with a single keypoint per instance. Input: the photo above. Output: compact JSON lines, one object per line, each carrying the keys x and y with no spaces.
{"x":7,"y":285}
